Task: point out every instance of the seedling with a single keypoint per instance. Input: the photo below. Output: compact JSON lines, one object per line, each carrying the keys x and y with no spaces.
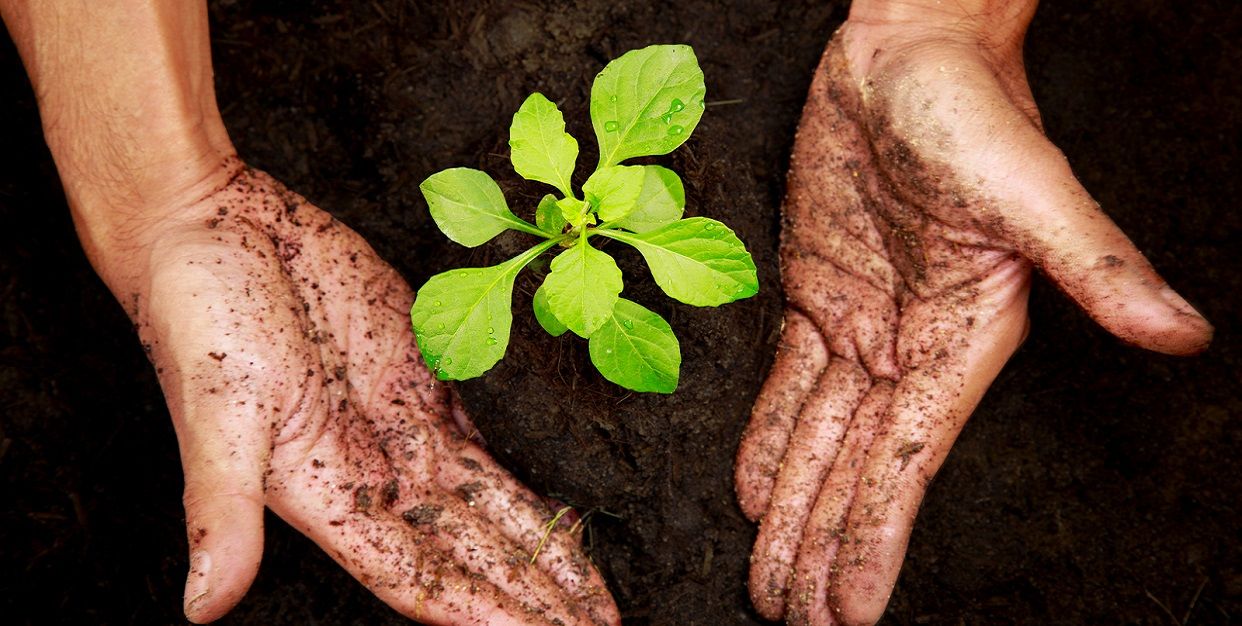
{"x":645,"y":103}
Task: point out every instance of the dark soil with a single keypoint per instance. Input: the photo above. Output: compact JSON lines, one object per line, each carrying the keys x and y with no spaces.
{"x":1096,"y":484}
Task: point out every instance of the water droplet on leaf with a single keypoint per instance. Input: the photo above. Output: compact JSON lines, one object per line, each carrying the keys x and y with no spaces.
{"x":448,"y":360}
{"x":611,"y":126}
{"x":675,"y":130}
{"x":709,"y":226}
{"x":491,"y":341}
{"x":667,"y":118}
{"x":627,"y":324}
{"x":677,"y":106}
{"x":438,"y":303}
{"x":491,"y":331}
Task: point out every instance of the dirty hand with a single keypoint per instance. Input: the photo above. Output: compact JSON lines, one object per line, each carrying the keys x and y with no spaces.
{"x":284,"y":348}
{"x":922,"y":191}
{"x":282,"y":343}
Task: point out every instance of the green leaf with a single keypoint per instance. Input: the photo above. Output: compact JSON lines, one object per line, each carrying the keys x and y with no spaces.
{"x":573,"y":210}
{"x":636,"y":349}
{"x":583,"y":287}
{"x":468,"y":206}
{"x":646,"y":102}
{"x":614,"y":190}
{"x":661,"y":201}
{"x":461,"y":318}
{"x":543,"y":314}
{"x":548,"y":216}
{"x":698,"y":261}
{"x":541,"y":149}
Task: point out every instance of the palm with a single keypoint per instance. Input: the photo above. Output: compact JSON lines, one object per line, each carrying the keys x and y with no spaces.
{"x":909,"y":221}
{"x":283,"y":346}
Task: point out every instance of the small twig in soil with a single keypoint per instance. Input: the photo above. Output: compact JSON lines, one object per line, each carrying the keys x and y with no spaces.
{"x":379,"y":9}
{"x":547,"y":531}
{"x":720,"y":103}
{"x":1194,"y":600}
{"x":1164,"y":608}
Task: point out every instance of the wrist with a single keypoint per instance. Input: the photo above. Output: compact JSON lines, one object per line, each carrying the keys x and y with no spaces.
{"x":999,"y":22}
{"x":125,"y":194}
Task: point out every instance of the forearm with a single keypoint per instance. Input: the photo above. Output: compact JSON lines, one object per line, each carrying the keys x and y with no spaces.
{"x":128,"y":108}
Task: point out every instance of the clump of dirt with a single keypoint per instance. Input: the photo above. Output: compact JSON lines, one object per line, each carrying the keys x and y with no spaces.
{"x":1094,"y":484}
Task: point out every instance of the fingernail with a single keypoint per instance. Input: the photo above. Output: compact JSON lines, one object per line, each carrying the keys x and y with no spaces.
{"x":1177,"y":302}
{"x":198,"y":582}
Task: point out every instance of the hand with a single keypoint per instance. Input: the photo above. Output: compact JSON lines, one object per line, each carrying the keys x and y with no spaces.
{"x":284,"y":348}
{"x":921,"y":193}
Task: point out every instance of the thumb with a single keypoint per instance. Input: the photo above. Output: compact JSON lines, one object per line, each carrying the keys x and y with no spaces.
{"x":223,"y":461}
{"x":1050,"y":217}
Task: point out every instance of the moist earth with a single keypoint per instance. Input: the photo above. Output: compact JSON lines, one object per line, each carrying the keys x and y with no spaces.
{"x":1095,"y":484}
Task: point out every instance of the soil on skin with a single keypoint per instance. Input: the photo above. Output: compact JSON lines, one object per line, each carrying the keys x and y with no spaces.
{"x":1097,"y":483}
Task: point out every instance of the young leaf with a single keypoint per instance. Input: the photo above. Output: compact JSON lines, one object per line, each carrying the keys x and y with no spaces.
{"x":698,"y":261}
{"x":469,"y":207}
{"x":548,"y":216}
{"x":583,"y":287}
{"x":461,"y":318}
{"x":646,"y":102}
{"x":614,"y":190}
{"x":661,"y":201}
{"x":543,"y":314}
{"x":573,"y":210}
{"x":636,"y":349}
{"x":541,"y":149}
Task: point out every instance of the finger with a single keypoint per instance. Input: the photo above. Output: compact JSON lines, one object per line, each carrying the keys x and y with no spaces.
{"x":799,"y":362}
{"x":406,"y":569}
{"x":813,"y":447}
{"x":482,"y":549}
{"x":1065,"y":232}
{"x":950,"y":364}
{"x":1041,"y":208}
{"x":416,"y":550}
{"x":224,"y":462}
{"x":825,"y":529}
{"x":523,"y":517}
{"x":508,"y":553}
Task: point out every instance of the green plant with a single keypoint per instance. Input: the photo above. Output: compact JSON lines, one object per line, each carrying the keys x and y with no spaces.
{"x":647,"y":102}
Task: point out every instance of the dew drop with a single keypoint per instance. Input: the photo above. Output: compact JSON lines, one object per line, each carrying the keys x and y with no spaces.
{"x":440,"y":326}
{"x":491,"y":341}
{"x":667,"y":118}
{"x":611,"y":126}
{"x":438,"y":303}
{"x":675,"y":130}
{"x":709,"y":226}
{"x":627,"y":324}
{"x":491,"y":331}
{"x":612,"y":98}
{"x":608,"y":351}
{"x":677,"y":106}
